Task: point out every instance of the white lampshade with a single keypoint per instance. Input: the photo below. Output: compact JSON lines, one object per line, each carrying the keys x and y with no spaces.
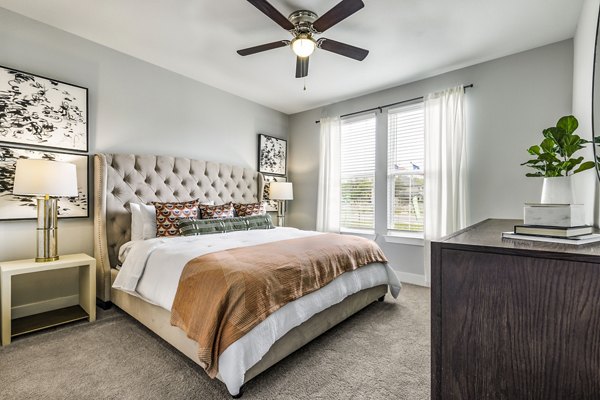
{"x":43,"y":177}
{"x":281,"y":191}
{"x":303,"y":46}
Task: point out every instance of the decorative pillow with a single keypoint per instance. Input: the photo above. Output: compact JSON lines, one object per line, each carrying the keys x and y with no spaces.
{"x":246,"y":210}
{"x":191,"y":227}
{"x":167,"y":215}
{"x":143,"y":221}
{"x":216,"y":212}
{"x":259,"y":222}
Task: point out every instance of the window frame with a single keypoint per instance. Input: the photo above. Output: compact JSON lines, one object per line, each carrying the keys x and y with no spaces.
{"x":381,"y":195}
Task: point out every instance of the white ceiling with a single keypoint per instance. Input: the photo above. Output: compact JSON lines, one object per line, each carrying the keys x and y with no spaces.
{"x":408,"y":40}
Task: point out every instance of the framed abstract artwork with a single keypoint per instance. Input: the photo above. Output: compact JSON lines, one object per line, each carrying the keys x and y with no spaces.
{"x":271,"y":205}
{"x":272,"y":155}
{"x":14,"y":207}
{"x":43,"y":112}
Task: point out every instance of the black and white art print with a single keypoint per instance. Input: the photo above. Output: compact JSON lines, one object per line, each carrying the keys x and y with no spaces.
{"x":272,"y":155}
{"x":37,"y":111}
{"x":271,"y":205}
{"x":13,"y":207}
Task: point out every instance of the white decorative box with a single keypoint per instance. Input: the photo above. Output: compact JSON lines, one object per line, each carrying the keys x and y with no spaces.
{"x":566,"y":215}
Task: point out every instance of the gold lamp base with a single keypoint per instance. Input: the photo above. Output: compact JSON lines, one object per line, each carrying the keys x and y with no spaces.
{"x":47,"y":229}
{"x":46,"y":259}
{"x":281,"y":213}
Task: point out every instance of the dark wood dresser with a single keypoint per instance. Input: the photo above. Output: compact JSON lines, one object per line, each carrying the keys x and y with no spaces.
{"x":514,"y":319}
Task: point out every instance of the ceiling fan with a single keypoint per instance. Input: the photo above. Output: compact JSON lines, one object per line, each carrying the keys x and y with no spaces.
{"x":303,"y":25}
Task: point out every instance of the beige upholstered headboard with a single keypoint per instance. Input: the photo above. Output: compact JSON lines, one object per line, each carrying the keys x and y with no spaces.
{"x":123,"y":178}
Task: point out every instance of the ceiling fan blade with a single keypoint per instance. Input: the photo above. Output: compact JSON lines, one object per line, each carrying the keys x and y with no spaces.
{"x":272,"y":13}
{"x":301,"y":67}
{"x":343,"y":49}
{"x":263,"y":47}
{"x":340,"y":12}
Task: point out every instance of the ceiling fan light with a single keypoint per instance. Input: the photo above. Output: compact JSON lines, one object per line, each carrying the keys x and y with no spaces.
{"x":303,"y":46}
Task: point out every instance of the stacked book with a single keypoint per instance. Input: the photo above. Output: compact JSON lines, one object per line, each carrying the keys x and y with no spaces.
{"x":556,"y":223}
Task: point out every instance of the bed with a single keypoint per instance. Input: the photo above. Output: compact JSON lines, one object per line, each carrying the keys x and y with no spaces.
{"x":120,"y":179}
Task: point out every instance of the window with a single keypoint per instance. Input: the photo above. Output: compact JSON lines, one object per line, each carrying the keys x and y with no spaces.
{"x":406,"y":154}
{"x":357,"y":211}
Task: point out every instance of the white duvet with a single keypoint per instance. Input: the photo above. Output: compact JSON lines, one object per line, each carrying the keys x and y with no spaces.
{"x":151,"y":270}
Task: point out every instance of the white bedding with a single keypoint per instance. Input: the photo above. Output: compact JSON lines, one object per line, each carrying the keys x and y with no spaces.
{"x":151,"y":270}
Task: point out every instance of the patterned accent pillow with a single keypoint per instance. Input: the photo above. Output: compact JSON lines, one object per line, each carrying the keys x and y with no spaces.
{"x":217,"y":212}
{"x":259,"y":222}
{"x":167,"y":215}
{"x":192,"y":227}
{"x":246,"y":210}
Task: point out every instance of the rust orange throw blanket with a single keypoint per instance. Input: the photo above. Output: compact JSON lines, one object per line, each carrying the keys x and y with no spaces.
{"x":223,"y":295}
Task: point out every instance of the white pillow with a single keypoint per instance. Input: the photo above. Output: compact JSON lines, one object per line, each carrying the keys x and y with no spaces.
{"x":143,"y":221}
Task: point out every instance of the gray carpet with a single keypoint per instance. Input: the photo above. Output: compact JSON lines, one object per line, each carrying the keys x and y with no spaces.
{"x":381,"y":352}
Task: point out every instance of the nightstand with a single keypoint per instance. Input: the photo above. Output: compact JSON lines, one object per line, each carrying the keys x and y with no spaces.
{"x":87,"y":295}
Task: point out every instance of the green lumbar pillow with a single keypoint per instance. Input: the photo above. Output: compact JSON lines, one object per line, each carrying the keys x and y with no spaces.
{"x":192,"y":227}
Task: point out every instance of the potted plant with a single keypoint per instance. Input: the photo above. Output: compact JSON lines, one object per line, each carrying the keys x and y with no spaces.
{"x":554,"y":160}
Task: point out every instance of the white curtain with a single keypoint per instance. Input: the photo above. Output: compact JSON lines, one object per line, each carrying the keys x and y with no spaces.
{"x":328,"y":200}
{"x":445,"y":166}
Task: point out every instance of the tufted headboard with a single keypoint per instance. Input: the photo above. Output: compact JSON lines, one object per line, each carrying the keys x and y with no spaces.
{"x":123,"y":178}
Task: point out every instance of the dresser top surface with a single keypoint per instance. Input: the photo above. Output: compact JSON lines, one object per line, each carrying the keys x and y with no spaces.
{"x":488,"y":233}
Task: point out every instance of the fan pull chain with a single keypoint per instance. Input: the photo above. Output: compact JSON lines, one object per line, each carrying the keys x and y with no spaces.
{"x":305,"y":84}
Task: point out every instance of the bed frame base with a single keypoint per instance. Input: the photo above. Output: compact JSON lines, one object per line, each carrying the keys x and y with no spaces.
{"x":158,"y":320}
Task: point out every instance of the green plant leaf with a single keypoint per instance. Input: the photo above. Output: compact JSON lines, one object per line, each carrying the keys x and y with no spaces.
{"x":548,"y":145}
{"x":569,"y":149}
{"x":571,"y":163}
{"x":557,"y":134}
{"x":533,"y":161}
{"x":547,"y":133}
{"x":539,"y":167}
{"x":533,"y":175}
{"x":585,"y":166}
{"x":548,"y":157}
{"x":534,"y":150}
{"x":572,"y":139}
{"x":552,"y":133}
{"x":568,"y":124}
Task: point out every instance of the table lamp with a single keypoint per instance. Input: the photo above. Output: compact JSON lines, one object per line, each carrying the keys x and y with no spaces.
{"x":47,"y":180}
{"x":281,"y":191}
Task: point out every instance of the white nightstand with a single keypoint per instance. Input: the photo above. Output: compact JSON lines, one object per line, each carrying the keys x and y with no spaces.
{"x":87,"y":294}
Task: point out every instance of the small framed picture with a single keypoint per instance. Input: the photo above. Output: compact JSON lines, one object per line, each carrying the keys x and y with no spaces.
{"x":271,"y":205}
{"x":15,"y":207}
{"x":272,"y":155}
{"x":42,"y":112}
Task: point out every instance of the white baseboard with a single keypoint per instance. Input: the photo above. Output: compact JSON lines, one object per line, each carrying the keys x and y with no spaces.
{"x":25,"y":310}
{"x":413,"y":279}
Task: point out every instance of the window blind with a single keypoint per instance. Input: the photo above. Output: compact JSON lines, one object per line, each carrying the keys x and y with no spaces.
{"x":406,"y":153}
{"x":357,"y":209}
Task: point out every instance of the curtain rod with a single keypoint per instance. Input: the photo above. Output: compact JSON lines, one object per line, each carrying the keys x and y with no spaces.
{"x":380,"y":108}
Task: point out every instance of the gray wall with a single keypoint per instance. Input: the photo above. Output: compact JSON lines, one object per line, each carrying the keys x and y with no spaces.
{"x":583,"y":70}
{"x":134,"y":107}
{"x":514,"y":98}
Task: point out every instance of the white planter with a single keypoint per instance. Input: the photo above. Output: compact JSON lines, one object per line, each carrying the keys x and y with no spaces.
{"x":557,"y":190}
